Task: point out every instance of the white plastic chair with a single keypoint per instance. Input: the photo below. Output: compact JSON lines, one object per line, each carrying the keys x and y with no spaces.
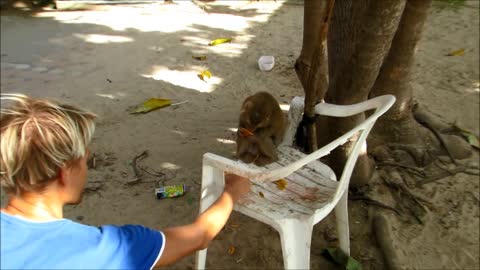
{"x":312,"y":190}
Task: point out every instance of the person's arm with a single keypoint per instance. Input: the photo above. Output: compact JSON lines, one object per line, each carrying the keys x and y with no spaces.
{"x":184,"y":240}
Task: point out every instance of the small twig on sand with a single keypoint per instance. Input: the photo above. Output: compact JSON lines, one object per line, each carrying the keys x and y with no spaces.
{"x":373,"y":202}
{"x":136,"y":171}
{"x":446,"y":173}
{"x":137,"y":181}
{"x":179,"y":103}
{"x":93,"y":186}
{"x":155,"y":173}
{"x":137,"y":175}
{"x":414,"y":170}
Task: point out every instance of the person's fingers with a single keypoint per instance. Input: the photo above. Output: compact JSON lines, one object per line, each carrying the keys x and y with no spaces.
{"x":237,"y":185}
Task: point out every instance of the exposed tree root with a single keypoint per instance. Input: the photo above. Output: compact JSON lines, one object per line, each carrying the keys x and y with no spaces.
{"x":447,"y":139}
{"x":393,"y":175}
{"x":383,"y":235}
{"x":423,"y":116}
{"x":371,"y":201}
{"x":406,"y":199}
{"x":402,"y":179}
{"x":454,"y":146}
{"x":422,"y":155}
{"x":425,"y":121}
{"x":417,"y":171}
{"x":445,"y":172}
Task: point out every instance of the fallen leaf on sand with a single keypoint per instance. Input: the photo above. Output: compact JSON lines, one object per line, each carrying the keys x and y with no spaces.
{"x":231,"y":250}
{"x":219,"y":41}
{"x":470,"y":137}
{"x":472,"y":140}
{"x":457,"y":52}
{"x":199,"y":57}
{"x":338,"y":256}
{"x":203,"y":74}
{"x":152,"y":104}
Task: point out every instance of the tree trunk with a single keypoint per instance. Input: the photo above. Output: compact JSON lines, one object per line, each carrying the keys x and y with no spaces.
{"x":398,"y":124}
{"x":311,"y":66}
{"x":341,"y":46}
{"x":370,"y":26}
{"x":312,"y":24}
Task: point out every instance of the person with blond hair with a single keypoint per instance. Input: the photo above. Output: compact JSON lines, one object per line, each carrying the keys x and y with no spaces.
{"x":43,"y":166}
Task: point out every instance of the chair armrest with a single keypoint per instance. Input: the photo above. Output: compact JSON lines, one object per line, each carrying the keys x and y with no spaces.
{"x":231,"y":166}
{"x":381,"y":103}
{"x":250,"y":171}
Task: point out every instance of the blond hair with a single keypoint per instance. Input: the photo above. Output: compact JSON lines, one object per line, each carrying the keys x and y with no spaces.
{"x":38,"y":137}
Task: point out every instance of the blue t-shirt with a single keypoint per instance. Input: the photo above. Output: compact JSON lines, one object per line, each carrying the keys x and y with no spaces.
{"x":64,"y":244}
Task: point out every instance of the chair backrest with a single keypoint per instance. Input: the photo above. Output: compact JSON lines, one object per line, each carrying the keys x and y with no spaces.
{"x":381,"y":104}
{"x":294,"y":116}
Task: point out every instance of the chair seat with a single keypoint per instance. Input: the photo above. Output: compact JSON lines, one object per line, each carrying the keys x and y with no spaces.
{"x":306,"y":190}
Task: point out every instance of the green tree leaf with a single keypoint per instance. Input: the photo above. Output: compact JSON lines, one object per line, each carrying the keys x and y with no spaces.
{"x":152,"y":104}
{"x":219,"y":41}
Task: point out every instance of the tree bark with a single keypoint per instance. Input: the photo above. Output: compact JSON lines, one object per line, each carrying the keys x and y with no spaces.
{"x":311,"y":66}
{"x":312,"y":25}
{"x":370,"y":26}
{"x":398,"y":124}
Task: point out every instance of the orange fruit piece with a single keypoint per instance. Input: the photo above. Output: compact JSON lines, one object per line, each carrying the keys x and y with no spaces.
{"x":245,"y":132}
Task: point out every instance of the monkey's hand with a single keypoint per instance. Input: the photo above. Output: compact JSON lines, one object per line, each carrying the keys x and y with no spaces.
{"x":244,"y":132}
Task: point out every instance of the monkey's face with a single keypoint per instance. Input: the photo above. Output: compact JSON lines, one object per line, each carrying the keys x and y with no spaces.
{"x":254,"y":120}
{"x":254,"y":115}
{"x":258,"y":119}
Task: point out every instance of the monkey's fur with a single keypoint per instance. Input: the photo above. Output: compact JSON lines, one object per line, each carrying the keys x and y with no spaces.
{"x":261,"y":115}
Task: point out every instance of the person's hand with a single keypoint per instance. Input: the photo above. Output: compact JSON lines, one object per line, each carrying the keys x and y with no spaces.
{"x":236,"y":186}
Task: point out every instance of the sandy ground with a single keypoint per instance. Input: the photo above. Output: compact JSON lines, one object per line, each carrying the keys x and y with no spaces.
{"x":115,"y":57}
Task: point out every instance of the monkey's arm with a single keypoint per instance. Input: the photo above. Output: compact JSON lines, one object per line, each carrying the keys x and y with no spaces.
{"x":267,"y":148}
{"x":247,"y":150}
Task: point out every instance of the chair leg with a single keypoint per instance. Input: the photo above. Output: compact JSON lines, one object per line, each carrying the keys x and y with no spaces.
{"x":212,"y":186}
{"x":296,"y":236}
{"x":341,"y":215}
{"x":200,"y":259}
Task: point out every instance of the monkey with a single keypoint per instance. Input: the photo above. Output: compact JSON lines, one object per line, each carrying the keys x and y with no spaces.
{"x":261,"y":128}
{"x":261,"y":114}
